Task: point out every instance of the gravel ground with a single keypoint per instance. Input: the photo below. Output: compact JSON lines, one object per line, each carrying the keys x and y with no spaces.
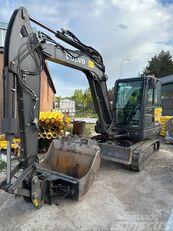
{"x":119,"y":200}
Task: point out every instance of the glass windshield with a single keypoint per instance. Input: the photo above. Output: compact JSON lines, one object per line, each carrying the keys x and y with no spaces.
{"x":128,"y":102}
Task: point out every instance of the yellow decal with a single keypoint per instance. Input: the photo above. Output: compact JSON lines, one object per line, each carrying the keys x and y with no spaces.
{"x":36,"y":202}
{"x":91,"y":64}
{"x":157,"y":114}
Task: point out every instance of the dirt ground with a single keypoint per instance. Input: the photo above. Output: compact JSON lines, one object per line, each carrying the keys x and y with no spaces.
{"x":119,"y":200}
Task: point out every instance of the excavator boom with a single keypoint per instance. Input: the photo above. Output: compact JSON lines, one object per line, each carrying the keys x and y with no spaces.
{"x":25,"y":52}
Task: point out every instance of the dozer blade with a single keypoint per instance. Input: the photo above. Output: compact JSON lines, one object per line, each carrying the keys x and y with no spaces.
{"x":135,"y":157}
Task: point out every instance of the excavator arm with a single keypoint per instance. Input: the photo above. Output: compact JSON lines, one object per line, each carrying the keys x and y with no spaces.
{"x":24,"y":55}
{"x":96,"y":77}
{"x":71,"y":163}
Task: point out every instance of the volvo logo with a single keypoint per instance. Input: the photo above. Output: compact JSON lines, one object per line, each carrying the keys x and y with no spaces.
{"x":76,"y":60}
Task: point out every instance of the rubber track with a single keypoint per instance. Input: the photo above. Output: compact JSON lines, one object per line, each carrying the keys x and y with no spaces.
{"x":143,"y":154}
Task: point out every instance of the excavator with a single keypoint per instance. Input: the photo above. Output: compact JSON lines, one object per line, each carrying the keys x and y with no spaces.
{"x":127,"y":130}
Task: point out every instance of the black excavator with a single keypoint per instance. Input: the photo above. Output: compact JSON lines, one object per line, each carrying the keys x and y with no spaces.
{"x":127,"y":129}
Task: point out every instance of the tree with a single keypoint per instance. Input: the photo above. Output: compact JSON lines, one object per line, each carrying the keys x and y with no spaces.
{"x":88,"y":99}
{"x":57,"y":99}
{"x":83,"y":100}
{"x":160,"y":65}
{"x":111,"y":94}
{"x":78,"y":97}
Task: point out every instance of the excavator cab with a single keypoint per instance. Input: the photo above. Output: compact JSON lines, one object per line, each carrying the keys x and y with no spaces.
{"x":136,"y":107}
{"x":136,"y":122}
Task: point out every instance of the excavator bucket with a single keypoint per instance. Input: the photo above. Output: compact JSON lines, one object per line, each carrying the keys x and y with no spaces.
{"x":74,"y":160}
{"x":68,"y":170}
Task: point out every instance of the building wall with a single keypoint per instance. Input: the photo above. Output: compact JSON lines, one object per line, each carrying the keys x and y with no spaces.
{"x":67,"y":106}
{"x":46,"y":94}
{"x":1,"y":87}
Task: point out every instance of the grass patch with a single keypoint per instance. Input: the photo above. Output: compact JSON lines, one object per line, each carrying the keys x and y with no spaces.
{"x":85,"y":114}
{"x":89,"y":128}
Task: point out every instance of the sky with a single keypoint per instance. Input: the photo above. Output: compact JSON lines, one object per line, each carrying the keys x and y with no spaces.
{"x":119,"y":29}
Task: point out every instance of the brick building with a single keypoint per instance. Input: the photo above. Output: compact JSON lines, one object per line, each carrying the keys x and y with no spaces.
{"x":1,"y":83}
{"x":47,"y":91}
{"x":47,"y":87}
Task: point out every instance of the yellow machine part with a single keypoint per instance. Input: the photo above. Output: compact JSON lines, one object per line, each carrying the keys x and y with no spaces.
{"x":157,"y":114}
{"x":164,"y":120}
{"x":3,"y":143}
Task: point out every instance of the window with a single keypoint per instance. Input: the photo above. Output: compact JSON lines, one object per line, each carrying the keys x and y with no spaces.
{"x":150,"y":97}
{"x":167,"y":91}
{"x":167,"y":99}
{"x":157,"y":94}
{"x":2,"y":37}
{"x":128,"y":102}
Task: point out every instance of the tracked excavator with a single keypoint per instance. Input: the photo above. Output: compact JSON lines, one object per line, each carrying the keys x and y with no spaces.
{"x":127,"y":130}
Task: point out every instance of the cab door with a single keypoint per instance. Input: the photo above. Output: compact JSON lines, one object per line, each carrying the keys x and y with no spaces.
{"x":152,"y":102}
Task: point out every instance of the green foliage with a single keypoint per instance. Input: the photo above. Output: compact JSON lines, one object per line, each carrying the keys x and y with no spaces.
{"x":3,"y":165}
{"x":84,"y":102}
{"x":87,"y":113}
{"x":87,"y":97}
{"x":57,"y":98}
{"x":111,"y":94}
{"x":89,"y":129}
{"x":78,"y":96}
{"x":160,"y":65}
{"x":70,"y":128}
